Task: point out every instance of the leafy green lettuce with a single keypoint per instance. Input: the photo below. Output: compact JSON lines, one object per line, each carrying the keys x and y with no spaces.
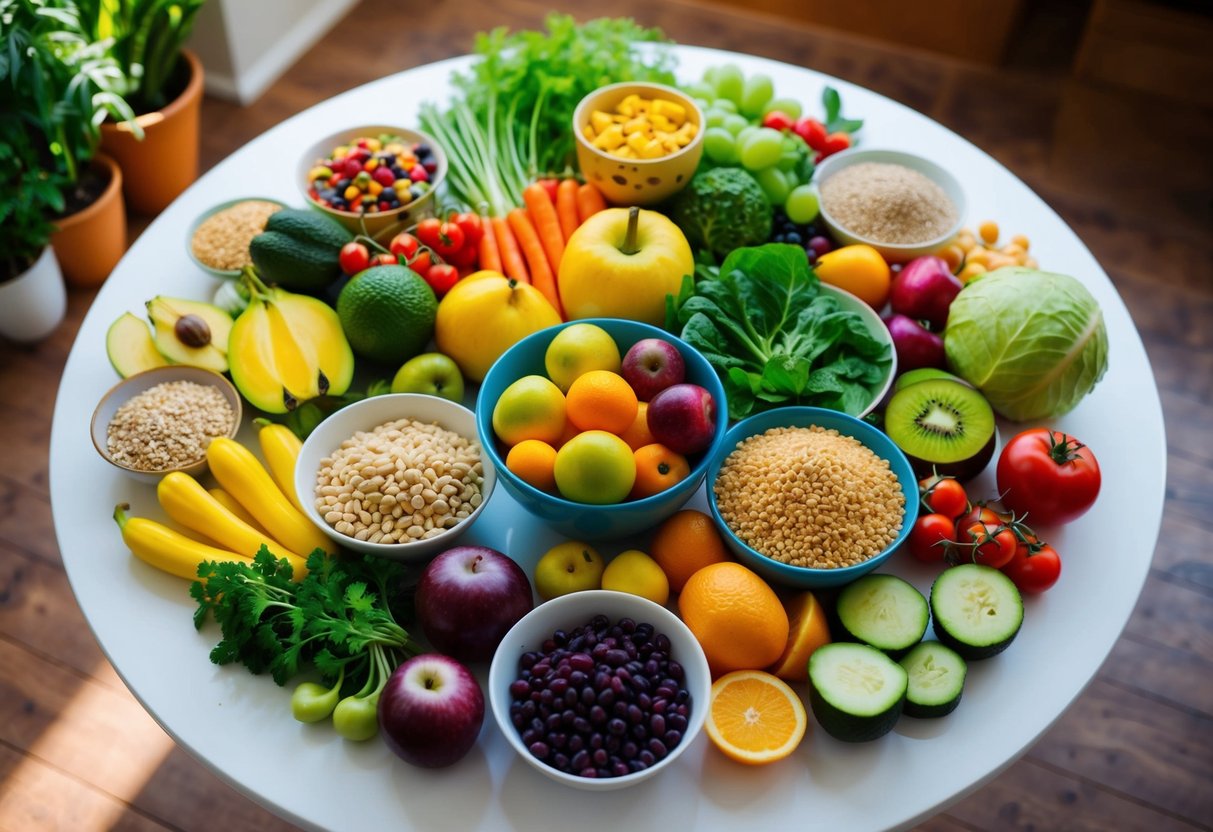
{"x":774,"y":337}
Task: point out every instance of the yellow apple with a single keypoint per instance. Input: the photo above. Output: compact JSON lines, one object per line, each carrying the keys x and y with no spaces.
{"x":571,"y":566}
{"x":621,"y":263}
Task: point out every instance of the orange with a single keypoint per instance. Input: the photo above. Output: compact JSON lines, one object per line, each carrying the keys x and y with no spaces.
{"x":657,"y":468}
{"x":533,"y":461}
{"x":807,"y":630}
{"x":570,"y":430}
{"x":684,"y":544}
{"x":639,"y":435}
{"x":736,"y":618}
{"x":602,"y":400}
{"x":754,"y":717}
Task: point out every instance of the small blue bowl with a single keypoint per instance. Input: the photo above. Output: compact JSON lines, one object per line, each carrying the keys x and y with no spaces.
{"x":582,"y":521}
{"x":801,"y":577}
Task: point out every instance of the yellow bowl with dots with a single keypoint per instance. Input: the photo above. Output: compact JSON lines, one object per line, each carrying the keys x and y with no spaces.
{"x":621,"y":129}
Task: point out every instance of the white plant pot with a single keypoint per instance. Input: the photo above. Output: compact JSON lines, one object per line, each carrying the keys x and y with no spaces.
{"x":33,"y":304}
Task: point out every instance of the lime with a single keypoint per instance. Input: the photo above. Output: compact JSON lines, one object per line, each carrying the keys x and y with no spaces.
{"x":387,"y":313}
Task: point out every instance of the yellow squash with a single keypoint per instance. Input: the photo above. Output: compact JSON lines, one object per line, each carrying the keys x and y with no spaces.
{"x":280,"y":447}
{"x":244,"y":477}
{"x":229,"y":502}
{"x":167,"y":550}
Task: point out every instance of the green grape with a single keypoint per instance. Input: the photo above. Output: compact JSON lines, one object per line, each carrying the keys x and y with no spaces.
{"x":774,"y":184}
{"x":762,"y":149}
{"x":735,"y":123}
{"x":788,"y":106}
{"x":720,"y":146}
{"x":724,"y":104}
{"x":709,"y":76}
{"x":788,"y":160}
{"x":756,"y":92}
{"x":713,"y":117}
{"x":702,"y":103}
{"x":744,"y":133}
{"x":801,"y":205}
{"x":730,"y":83}
{"x":701,"y":89}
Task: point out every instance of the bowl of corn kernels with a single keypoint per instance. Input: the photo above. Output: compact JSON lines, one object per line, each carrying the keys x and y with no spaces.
{"x":638,"y":143}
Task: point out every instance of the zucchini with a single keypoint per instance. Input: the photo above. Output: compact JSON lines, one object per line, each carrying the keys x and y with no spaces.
{"x":885,"y":612}
{"x":977,"y":610}
{"x":856,"y":692}
{"x":299,"y":250}
{"x":936,"y":680}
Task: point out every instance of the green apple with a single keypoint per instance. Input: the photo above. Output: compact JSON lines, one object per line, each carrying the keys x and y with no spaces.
{"x":432,"y":373}
{"x":571,"y":566}
{"x":577,"y":349}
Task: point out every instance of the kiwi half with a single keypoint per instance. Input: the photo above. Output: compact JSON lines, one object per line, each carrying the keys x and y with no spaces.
{"x":942,"y":425}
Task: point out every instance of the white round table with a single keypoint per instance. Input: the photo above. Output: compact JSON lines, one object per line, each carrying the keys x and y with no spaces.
{"x":240,"y":725}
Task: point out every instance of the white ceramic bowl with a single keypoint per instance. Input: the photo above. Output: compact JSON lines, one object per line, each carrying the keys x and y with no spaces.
{"x":228,"y":274}
{"x":129,"y":387}
{"x":575,"y":610}
{"x":368,"y":414}
{"x":893,"y":252}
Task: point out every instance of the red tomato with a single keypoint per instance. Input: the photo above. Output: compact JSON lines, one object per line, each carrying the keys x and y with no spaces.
{"x":1047,"y":475}
{"x":931,"y":537}
{"x":812,"y":131}
{"x":353,"y":258}
{"x":1034,"y":568}
{"x":441,"y":277}
{"x":550,"y":185}
{"x":977,"y":514}
{"x":944,"y":495}
{"x":472,"y":226}
{"x":466,"y":256}
{"x":404,"y":244}
{"x":835,"y":143}
{"x":421,"y":262}
{"x":778,"y":120}
{"x":428,"y":230}
{"x":986,"y":545}
{"x":385,"y":259}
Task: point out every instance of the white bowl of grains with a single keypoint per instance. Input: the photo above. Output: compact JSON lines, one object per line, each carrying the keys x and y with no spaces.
{"x":399,"y":476}
{"x":161,"y":420}
{"x":809,"y":497}
{"x":218,"y":241}
{"x":902,"y":205}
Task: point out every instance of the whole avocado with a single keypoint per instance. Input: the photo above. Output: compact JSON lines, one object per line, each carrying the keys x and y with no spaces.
{"x":299,"y":250}
{"x":722,"y":209}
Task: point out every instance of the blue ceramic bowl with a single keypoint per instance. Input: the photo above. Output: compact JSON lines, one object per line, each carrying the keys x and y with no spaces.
{"x":802,"y":577}
{"x":582,"y":521}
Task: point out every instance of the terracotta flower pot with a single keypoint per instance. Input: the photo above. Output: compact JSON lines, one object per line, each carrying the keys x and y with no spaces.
{"x":33,"y":303}
{"x":90,"y":242}
{"x":165,"y":162}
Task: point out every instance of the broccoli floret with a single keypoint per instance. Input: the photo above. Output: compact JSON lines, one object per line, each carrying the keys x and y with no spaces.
{"x":722,"y":209}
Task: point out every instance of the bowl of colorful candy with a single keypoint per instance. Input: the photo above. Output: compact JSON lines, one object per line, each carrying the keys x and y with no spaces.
{"x":369,"y":178}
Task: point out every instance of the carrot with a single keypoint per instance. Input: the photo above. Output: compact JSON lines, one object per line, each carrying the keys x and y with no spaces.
{"x":490,"y":254}
{"x":512,"y":264}
{"x":589,"y":201}
{"x":566,"y":207}
{"x":542,"y":277}
{"x":547,"y":224}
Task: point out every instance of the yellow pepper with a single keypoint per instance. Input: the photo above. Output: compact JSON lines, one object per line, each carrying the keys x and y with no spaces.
{"x":167,"y":550}
{"x":280,"y":447}
{"x":858,"y":269}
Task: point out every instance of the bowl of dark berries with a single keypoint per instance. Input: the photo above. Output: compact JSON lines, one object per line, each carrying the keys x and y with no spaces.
{"x":599,"y":690}
{"x":369,"y":178}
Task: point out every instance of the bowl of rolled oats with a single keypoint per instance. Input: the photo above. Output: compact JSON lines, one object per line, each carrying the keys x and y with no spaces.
{"x":161,"y":420}
{"x":809,"y":497}
{"x":218,"y":241}
{"x":399,"y":476}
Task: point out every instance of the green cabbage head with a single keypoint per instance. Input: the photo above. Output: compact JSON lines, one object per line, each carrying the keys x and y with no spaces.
{"x":1033,"y":342}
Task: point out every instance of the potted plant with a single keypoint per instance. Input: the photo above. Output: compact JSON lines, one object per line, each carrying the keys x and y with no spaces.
{"x":158,"y":150}
{"x":56,"y":86}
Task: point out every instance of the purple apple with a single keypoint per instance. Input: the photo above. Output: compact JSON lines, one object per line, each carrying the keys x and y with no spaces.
{"x":652,"y":365}
{"x":916,"y":346}
{"x":924,"y":289}
{"x":431,"y":710}
{"x":468,"y":598}
{"x":683,"y":418}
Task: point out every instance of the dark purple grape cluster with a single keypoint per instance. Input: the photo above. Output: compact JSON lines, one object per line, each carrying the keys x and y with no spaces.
{"x":602,"y":700}
{"x":813,"y":238}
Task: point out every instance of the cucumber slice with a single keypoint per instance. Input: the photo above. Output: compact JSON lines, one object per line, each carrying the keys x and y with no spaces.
{"x":937,"y":678}
{"x":885,"y":612}
{"x":977,"y":610}
{"x":856,"y":692}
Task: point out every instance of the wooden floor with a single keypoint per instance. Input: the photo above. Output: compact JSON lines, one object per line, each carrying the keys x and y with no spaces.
{"x":1130,"y":172}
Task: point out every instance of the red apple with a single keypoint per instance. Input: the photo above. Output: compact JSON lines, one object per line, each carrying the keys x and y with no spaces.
{"x":468,"y":598}
{"x":431,"y":710}
{"x":683,"y":418}
{"x":924,"y":289}
{"x":916,"y":345}
{"x":652,"y":365}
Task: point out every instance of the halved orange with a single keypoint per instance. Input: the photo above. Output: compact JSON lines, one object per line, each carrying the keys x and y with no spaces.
{"x":807,"y":630}
{"x":754,"y":717}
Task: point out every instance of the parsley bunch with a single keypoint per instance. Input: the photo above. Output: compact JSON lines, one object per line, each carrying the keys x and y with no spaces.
{"x":338,"y":619}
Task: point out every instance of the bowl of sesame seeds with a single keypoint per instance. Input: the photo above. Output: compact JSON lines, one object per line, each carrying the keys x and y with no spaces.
{"x":163,"y":419}
{"x":218,"y":241}
{"x":809,"y":497}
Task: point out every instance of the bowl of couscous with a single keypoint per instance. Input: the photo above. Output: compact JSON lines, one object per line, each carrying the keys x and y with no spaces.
{"x":809,"y":497}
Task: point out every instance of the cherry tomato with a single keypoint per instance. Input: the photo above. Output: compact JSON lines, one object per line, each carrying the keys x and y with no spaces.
{"x":427,"y":231}
{"x":1034,"y":568}
{"x":441,"y":277}
{"x":944,"y":495}
{"x":778,"y":120}
{"x":466,"y":256}
{"x":986,"y":545}
{"x":550,"y":185}
{"x":445,"y":241}
{"x":812,"y":131}
{"x":353,"y":258}
{"x":421,"y":262}
{"x":977,"y":514}
{"x":404,"y":244}
{"x":835,"y":143}
{"x":931,"y":536}
{"x":385,"y":259}
{"x":1048,"y":475}
{"x":472,"y":226}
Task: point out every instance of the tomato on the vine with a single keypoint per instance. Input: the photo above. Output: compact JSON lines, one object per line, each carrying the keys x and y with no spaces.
{"x":944,"y":495}
{"x":1034,"y":568}
{"x":385,"y":259}
{"x":404,"y":244}
{"x":445,"y":238}
{"x":421,"y":262}
{"x":353,"y":258}
{"x":931,"y":537}
{"x":778,"y":120}
{"x":1048,"y":475}
{"x":472,"y":227}
{"x":986,"y":545}
{"x":466,"y":256}
{"x":977,"y":513}
{"x":441,"y":277}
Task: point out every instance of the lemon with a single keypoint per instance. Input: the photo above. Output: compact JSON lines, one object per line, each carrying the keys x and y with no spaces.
{"x":636,"y":573}
{"x":595,"y":467}
{"x":387,"y":313}
{"x":530,"y":408}
{"x":576,"y":350}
